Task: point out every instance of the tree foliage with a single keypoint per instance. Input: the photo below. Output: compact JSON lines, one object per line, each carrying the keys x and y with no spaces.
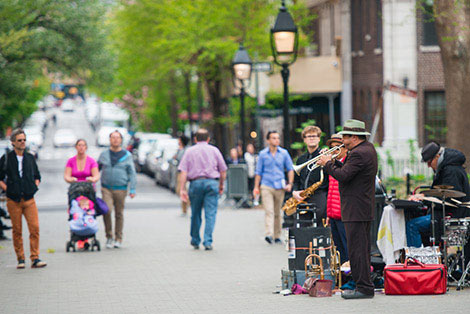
{"x":43,"y":36}
{"x":158,"y":41}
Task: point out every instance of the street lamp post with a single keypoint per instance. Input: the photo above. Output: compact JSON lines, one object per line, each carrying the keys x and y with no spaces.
{"x":284,"y":46}
{"x":242,"y":66}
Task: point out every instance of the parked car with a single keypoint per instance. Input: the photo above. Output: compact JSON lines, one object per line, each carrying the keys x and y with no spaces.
{"x":163,"y":173}
{"x":34,"y":135}
{"x":155,"y":153}
{"x":142,"y":144}
{"x":64,"y":138}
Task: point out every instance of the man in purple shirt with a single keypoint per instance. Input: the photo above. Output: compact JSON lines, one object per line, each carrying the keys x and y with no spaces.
{"x":204,"y":167}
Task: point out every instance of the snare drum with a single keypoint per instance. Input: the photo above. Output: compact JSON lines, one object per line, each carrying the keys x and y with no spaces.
{"x":457,"y":231}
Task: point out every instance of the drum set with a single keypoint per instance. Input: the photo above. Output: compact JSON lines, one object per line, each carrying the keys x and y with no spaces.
{"x":456,"y":233}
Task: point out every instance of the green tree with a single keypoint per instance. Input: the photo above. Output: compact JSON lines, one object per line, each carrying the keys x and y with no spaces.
{"x":158,"y":41}
{"x":43,"y":36}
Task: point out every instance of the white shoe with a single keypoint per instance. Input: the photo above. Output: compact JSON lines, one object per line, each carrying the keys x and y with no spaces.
{"x":117,"y":244}
{"x":109,"y":243}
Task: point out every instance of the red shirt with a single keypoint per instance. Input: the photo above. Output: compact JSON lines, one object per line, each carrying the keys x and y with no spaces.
{"x":333,"y":201}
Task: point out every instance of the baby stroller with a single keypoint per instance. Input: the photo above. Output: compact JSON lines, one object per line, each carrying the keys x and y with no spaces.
{"x":83,"y":224}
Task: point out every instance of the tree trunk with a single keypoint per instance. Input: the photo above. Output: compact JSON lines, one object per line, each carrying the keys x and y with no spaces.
{"x":452,"y":26}
{"x":173,"y":104}
{"x":187,"y":87}
{"x":218,"y":107}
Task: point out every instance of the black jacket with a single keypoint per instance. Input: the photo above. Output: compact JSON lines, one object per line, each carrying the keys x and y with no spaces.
{"x":451,"y":172}
{"x":307,"y":178}
{"x":19,"y":187}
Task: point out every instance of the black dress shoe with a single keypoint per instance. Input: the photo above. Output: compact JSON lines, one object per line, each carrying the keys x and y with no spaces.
{"x":269,"y":240}
{"x":4,"y":227}
{"x":356,"y":295}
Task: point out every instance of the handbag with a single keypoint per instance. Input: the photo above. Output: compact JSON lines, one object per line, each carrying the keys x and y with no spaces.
{"x":101,"y":207}
{"x":414,"y":277}
{"x":316,"y":287}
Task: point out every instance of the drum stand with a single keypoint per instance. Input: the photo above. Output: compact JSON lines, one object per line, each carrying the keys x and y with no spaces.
{"x":433,"y":232}
{"x":444,"y":237}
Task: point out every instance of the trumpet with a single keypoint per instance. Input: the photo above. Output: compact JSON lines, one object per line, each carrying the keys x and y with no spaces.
{"x":312,"y":163}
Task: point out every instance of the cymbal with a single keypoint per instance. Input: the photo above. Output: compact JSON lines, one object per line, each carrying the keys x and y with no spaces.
{"x":443,"y":187}
{"x":443,"y":193}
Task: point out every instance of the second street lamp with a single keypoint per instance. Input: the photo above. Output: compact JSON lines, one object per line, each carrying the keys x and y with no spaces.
{"x":284,"y":46}
{"x":241,"y":65}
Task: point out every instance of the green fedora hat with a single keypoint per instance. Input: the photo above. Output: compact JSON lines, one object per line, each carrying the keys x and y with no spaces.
{"x":354,"y":127}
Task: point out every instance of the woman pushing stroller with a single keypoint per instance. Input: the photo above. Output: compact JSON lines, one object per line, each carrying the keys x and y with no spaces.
{"x":82,"y":168}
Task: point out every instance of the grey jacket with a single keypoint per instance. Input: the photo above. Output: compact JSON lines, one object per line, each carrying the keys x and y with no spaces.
{"x":119,"y":176}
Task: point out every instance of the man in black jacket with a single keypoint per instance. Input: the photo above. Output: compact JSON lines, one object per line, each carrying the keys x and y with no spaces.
{"x":447,"y":164}
{"x":20,"y":178}
{"x":311,"y":136}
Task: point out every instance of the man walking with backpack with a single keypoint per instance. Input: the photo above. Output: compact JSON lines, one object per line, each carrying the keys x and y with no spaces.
{"x":20,"y":178}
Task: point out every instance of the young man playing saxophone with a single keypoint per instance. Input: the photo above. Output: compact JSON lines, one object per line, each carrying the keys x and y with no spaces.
{"x":311,"y":136}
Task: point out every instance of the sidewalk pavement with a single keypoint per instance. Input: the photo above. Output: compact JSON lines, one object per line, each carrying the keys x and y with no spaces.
{"x":157,"y":271}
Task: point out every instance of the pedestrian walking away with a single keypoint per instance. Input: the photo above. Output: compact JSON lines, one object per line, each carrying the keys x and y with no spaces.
{"x":20,"y":178}
{"x":356,"y":178}
{"x":311,"y":135}
{"x":204,"y":167}
{"x":117,"y":176}
{"x":273,"y":162}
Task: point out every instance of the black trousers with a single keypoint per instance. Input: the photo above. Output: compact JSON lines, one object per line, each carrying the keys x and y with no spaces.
{"x":358,"y":238}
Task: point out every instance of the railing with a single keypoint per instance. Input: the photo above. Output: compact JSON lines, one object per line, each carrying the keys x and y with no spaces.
{"x":401,"y":167}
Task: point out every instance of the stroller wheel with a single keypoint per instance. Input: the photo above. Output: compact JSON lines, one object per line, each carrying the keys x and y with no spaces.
{"x":98,"y":247}
{"x":73,"y":247}
{"x":67,"y":246}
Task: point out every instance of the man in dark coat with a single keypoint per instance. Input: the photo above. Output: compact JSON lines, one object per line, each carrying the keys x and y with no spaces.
{"x":447,"y":163}
{"x":356,"y":178}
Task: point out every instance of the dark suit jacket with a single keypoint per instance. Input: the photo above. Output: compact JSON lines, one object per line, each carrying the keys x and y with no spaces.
{"x":356,"y":179}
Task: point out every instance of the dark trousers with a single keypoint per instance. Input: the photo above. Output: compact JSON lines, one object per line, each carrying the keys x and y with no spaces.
{"x":339,"y":237}
{"x":319,"y":199}
{"x":358,"y":237}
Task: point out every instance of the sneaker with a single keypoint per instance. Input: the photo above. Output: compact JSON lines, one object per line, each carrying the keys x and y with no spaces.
{"x":37,"y":263}
{"x":21,"y":264}
{"x":269,"y":240}
{"x":208,"y":247}
{"x":109,"y":243}
{"x":277,"y":240}
{"x":195,"y":246}
{"x":117,"y":244}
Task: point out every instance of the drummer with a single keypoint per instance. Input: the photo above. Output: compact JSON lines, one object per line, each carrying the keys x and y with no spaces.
{"x":447,"y":164}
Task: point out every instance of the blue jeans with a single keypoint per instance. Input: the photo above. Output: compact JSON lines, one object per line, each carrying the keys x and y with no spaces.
{"x":203,"y":193}
{"x":414,"y":227}
{"x":339,"y":237}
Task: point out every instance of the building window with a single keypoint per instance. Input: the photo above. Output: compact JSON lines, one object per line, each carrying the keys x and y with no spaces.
{"x":435,"y":125}
{"x":429,"y":27}
{"x":378,"y":21}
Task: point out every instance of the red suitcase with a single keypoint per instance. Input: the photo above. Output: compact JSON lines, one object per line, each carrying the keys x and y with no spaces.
{"x":415,"y":277}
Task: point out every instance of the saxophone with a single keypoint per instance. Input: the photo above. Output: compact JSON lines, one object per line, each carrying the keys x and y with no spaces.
{"x":290,"y":206}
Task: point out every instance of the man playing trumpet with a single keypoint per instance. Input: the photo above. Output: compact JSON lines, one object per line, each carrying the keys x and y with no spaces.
{"x":311,"y":136}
